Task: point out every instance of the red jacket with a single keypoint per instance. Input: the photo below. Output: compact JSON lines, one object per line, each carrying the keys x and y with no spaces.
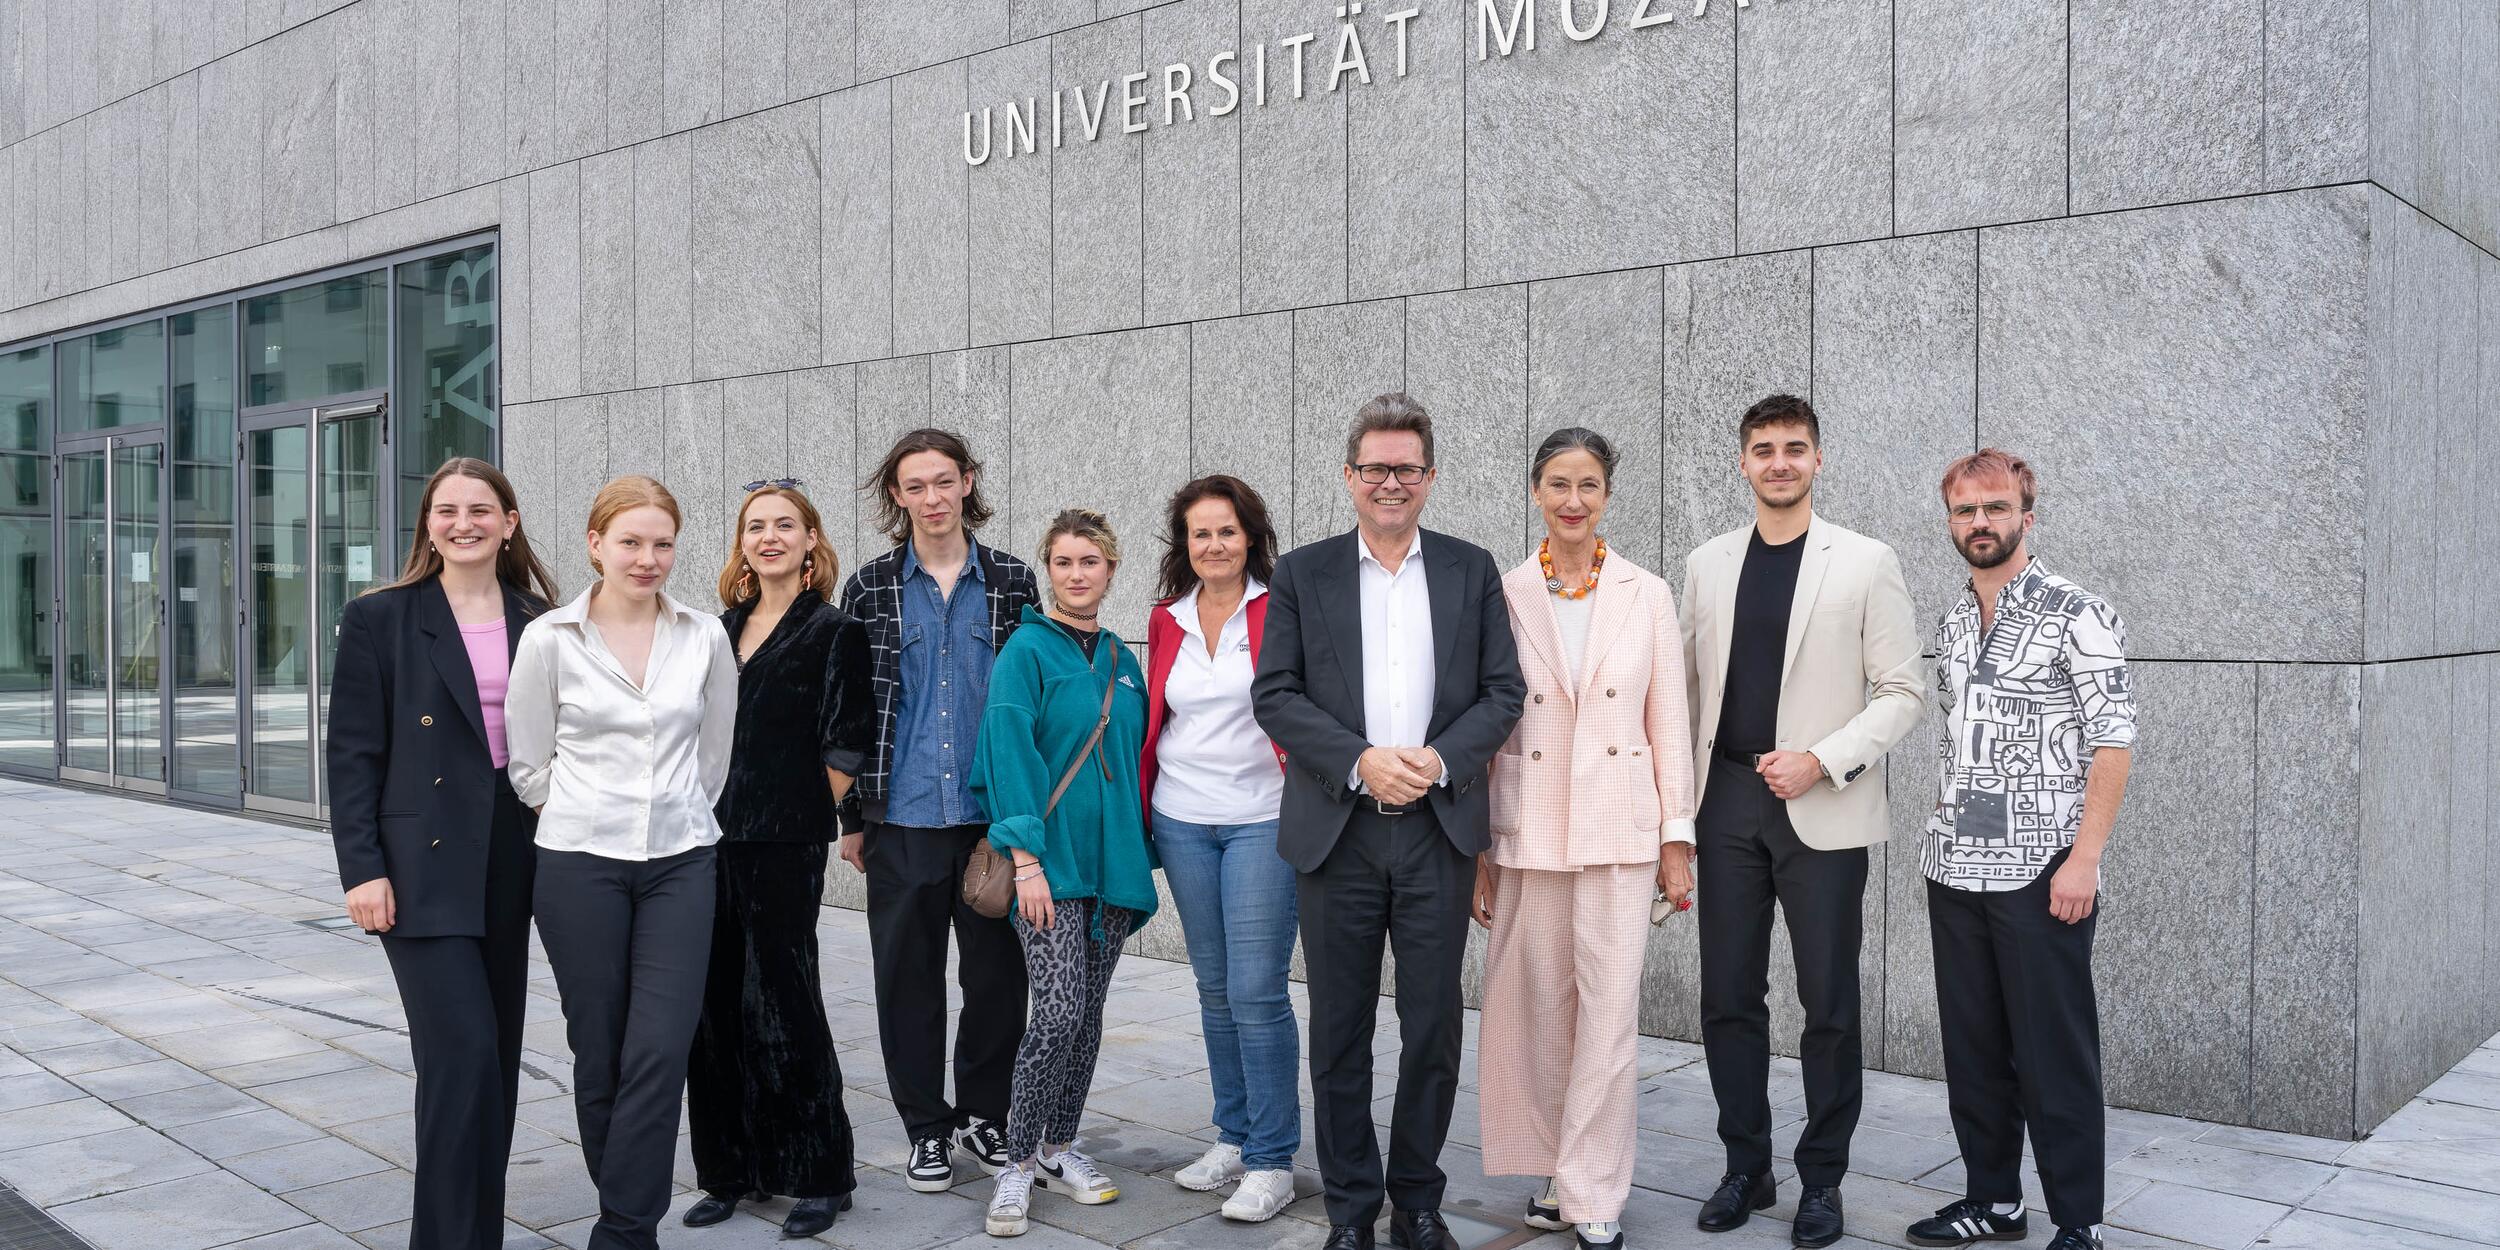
{"x":1164,"y":637}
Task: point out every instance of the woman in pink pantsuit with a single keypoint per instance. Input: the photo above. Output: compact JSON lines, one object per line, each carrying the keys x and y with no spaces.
{"x":1592,"y":811}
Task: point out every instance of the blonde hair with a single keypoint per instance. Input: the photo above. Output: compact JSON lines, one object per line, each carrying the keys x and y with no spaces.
{"x":1083,"y":523}
{"x":736,"y":579}
{"x":624,"y":494}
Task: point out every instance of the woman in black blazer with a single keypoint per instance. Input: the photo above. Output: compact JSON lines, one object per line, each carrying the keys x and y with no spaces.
{"x":763,"y":1087}
{"x":434,"y":850}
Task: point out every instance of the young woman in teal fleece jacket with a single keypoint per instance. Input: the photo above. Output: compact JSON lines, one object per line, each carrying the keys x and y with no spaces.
{"x":1085,"y":872}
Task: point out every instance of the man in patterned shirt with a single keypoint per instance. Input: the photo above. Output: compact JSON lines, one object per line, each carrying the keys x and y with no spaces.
{"x":2031,"y":678}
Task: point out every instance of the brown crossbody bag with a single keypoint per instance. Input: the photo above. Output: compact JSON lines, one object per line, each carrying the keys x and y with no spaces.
{"x":990,"y":878}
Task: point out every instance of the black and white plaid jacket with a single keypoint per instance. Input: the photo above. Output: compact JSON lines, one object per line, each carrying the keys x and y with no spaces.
{"x":874,"y":594}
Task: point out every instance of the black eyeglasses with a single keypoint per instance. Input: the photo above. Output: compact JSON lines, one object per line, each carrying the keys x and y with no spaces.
{"x":1407,"y":474}
{"x":785,"y":483}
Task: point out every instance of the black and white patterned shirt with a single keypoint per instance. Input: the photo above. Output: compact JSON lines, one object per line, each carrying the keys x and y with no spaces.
{"x":2024,"y":708}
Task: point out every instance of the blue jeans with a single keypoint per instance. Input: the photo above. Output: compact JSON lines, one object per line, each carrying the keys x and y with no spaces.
{"x":1236,"y":898}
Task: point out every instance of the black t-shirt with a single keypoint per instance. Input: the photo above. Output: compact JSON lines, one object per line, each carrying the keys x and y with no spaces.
{"x":1086,"y":638}
{"x":1749,"y":708}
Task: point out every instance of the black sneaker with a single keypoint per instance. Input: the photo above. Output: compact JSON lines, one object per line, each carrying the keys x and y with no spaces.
{"x":930,"y":1170}
{"x":1967,"y":1221}
{"x":2074,"y":1239}
{"x":1738,"y":1197}
{"x":986,"y":1142}
{"x":1818,"y":1221}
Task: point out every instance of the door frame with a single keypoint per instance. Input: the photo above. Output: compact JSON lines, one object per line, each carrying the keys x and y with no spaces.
{"x":309,"y":417}
{"x":107,"y":443}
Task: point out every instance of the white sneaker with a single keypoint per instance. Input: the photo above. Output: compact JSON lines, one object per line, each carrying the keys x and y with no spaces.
{"x":1010,"y":1202}
{"x":1261,"y":1195}
{"x":1600,"y":1236}
{"x":1545,"y":1210}
{"x":1218,"y":1167}
{"x":1076,"y":1176}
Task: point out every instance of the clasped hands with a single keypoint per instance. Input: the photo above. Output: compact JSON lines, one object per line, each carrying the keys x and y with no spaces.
{"x":1399,"y":774}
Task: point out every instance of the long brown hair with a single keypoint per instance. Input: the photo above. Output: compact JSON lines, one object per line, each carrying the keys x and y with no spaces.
{"x":736,"y":583}
{"x":1259,"y":562}
{"x":516,"y":565}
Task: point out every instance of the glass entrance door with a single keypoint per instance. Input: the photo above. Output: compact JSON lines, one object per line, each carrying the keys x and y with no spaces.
{"x":315,"y":521}
{"x":113,"y":613}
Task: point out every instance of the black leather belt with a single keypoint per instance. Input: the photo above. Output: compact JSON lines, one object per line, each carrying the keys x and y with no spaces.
{"x":1389,"y":809}
{"x":1747,"y":760}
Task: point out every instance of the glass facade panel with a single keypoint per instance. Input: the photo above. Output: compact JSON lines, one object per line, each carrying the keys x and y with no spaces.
{"x":207,"y":752}
{"x":26,"y":559}
{"x":113,"y":378}
{"x":447,"y":368}
{"x":279,"y":531}
{"x":86,"y":613}
{"x":138,"y":611}
{"x":322,"y":339}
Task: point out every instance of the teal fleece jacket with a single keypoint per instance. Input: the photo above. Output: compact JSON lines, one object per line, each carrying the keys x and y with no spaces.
{"x":1044,"y":699}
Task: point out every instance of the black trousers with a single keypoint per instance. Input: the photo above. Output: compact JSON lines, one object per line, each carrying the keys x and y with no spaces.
{"x":1395,"y":878}
{"x":763,"y":1085}
{"x":1748,"y":858}
{"x":466,"y":999}
{"x":2022,"y":1043}
{"x":915,"y":891}
{"x":628,"y":941}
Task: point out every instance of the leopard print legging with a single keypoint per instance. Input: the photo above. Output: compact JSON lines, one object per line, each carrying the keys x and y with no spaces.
{"x":1069,"y":966}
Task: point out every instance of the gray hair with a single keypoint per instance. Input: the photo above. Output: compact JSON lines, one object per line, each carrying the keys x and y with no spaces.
{"x":1574,"y":438}
{"x":1390,"y":413}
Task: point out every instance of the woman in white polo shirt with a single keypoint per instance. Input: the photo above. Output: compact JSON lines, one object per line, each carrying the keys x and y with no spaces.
{"x":1213,"y":785}
{"x":620,"y":715}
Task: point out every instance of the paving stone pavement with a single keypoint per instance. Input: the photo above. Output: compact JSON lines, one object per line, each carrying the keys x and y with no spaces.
{"x":197,"y":1056}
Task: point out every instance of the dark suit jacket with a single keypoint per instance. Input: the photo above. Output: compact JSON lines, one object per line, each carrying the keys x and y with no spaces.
{"x":412,"y":788}
{"x":1308,"y":695}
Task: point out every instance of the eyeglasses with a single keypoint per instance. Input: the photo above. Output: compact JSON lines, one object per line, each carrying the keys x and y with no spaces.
{"x":783,"y":483}
{"x":1407,"y":474}
{"x":1997,"y":511}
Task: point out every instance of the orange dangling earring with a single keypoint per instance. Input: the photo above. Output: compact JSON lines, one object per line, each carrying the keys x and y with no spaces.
{"x":746,"y":579}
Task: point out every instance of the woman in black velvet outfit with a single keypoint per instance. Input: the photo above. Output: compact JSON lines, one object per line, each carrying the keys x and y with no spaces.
{"x":763,"y":1089}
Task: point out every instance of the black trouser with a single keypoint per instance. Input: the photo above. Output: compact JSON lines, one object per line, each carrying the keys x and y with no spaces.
{"x":1396,"y":877}
{"x":1749,"y":857}
{"x":763,"y":1085}
{"x":2022,"y":1043}
{"x":915,"y":890}
{"x":628,"y":941}
{"x":466,"y":999}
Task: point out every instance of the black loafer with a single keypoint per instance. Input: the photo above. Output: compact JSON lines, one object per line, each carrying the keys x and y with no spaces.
{"x":1737,"y":1198}
{"x":1420,"y":1230}
{"x":1348,"y":1237}
{"x":716,"y":1207}
{"x":2074,"y":1239}
{"x":1818,"y":1217}
{"x":810,"y":1216}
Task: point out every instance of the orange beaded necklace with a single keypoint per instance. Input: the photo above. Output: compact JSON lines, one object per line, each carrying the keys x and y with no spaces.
{"x":1553,"y":584}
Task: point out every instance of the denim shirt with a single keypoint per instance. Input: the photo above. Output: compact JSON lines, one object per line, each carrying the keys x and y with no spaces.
{"x":945,"y":683}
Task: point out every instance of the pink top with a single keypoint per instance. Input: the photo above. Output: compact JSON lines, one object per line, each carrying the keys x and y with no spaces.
{"x":491,"y":660}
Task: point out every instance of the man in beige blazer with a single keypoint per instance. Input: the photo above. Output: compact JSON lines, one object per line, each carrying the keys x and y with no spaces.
{"x":1802,"y":654}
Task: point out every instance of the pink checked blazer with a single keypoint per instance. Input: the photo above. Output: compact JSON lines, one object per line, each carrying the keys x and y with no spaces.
{"x":1603,"y":773}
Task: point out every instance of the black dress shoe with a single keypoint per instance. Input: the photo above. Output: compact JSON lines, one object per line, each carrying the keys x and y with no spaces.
{"x":1738,"y":1197}
{"x":810,"y":1216}
{"x":1420,"y":1230}
{"x":2074,"y":1239}
{"x":716,"y":1207}
{"x":1818,"y":1217}
{"x":1348,"y":1237}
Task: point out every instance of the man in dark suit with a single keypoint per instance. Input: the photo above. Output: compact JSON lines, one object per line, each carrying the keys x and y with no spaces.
{"x":1388,"y":675}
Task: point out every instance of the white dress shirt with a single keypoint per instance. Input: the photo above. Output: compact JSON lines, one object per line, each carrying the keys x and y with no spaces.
{"x":1213,"y":766}
{"x":1398,"y":664}
{"x":622,"y":771}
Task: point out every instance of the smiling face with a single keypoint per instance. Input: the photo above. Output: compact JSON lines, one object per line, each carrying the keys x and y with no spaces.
{"x":1390,"y":508}
{"x":930,"y":487}
{"x":1079,"y":575}
{"x":774,"y":538}
{"x":1571,"y":492}
{"x":467,"y":523}
{"x":1219,"y":551}
{"x":1780,"y":459}
{"x":635,"y":553}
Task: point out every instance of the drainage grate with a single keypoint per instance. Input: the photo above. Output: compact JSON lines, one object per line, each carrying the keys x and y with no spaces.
{"x":24,"y":1226}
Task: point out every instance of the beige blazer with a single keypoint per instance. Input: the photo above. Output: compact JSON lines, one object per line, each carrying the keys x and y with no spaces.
{"x":1850,"y":683}
{"x":1598,"y":771}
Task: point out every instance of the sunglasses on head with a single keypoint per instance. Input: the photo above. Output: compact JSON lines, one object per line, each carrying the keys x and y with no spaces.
{"x":785,"y":483}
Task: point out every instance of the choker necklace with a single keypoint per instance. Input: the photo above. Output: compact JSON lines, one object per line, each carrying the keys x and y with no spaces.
{"x":1553,"y":584}
{"x":1093,"y":615}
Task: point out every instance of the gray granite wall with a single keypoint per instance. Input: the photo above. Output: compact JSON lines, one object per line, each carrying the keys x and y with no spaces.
{"x":2226,"y":274}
